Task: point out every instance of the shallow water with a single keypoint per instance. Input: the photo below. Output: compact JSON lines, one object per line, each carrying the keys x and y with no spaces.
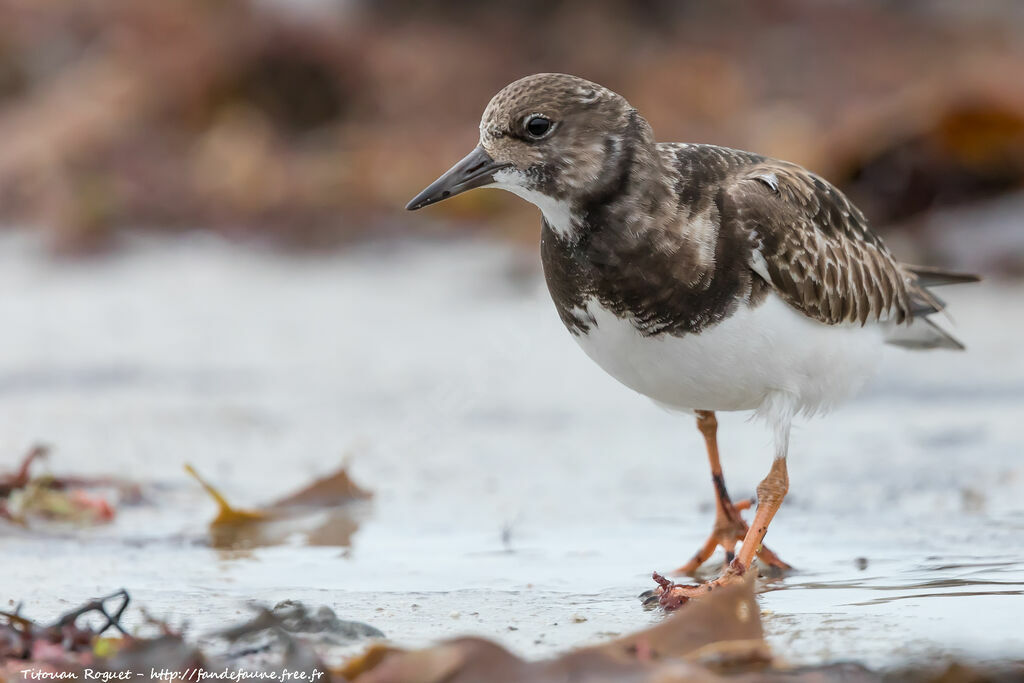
{"x":519,"y":492}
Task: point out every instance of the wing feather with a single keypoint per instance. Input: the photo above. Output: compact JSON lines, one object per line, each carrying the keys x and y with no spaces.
{"x":817,"y":249}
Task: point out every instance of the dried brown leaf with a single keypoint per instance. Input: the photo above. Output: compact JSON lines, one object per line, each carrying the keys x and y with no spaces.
{"x":728,"y":615}
{"x":708,"y":637}
{"x":334,"y":489}
{"x":319,"y":512}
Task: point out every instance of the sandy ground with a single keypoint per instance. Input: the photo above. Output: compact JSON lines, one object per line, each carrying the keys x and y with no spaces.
{"x":520,"y":493}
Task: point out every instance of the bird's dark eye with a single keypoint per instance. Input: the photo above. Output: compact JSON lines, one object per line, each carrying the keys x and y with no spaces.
{"x":538,"y":126}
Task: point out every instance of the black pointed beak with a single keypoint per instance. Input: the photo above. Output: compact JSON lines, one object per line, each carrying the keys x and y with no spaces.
{"x":475,"y":170}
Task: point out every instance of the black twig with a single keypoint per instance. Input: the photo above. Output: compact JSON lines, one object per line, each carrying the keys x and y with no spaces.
{"x":98,"y":605}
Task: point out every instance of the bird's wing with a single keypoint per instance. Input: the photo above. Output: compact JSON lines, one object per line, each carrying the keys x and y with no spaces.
{"x":815,"y":248}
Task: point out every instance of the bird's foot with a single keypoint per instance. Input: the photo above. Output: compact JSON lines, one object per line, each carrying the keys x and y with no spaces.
{"x":729,"y":529}
{"x":670,"y":595}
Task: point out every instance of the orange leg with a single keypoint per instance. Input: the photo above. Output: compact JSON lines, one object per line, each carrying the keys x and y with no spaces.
{"x":770,"y":493}
{"x":729,"y":525}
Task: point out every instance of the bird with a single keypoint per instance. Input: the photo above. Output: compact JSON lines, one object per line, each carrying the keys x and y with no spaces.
{"x":705,"y":278}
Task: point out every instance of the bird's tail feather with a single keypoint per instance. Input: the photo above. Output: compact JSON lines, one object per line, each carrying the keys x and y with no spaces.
{"x":936,"y":277}
{"x":923,"y":333}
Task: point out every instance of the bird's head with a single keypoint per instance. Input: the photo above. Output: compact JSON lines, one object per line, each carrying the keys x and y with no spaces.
{"x":552,"y":139}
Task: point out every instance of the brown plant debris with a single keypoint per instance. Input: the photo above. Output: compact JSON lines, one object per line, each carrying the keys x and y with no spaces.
{"x":23,"y":639}
{"x":716,"y":639}
{"x":45,"y":498}
{"x":324,"y":513}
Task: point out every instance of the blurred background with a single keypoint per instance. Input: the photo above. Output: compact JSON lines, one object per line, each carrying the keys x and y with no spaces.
{"x":205,"y":258}
{"x":311,"y":122}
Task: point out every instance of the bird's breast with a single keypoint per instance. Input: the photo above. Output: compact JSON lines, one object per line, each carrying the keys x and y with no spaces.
{"x":662,"y":281}
{"x":736,"y":363}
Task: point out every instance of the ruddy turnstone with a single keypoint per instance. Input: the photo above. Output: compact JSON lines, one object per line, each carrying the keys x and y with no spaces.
{"x":706,"y":278}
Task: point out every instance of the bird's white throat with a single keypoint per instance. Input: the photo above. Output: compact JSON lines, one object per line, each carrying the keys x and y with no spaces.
{"x":557,"y":212}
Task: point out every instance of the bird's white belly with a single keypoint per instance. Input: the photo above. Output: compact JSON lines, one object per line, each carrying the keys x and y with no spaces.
{"x":738,"y":363}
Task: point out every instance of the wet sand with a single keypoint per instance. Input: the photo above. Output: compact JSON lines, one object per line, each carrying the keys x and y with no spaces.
{"x":520,"y":493}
